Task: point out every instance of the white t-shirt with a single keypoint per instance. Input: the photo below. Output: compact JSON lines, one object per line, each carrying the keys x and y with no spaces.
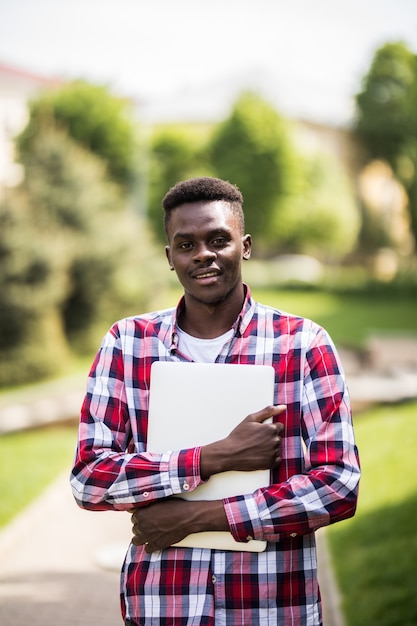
{"x":202,"y":350}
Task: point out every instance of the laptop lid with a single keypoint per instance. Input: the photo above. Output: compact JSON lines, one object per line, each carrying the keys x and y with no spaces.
{"x":193,"y":404}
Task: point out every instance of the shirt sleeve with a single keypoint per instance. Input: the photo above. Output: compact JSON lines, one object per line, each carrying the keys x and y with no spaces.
{"x":327,"y":488}
{"x":111,"y":470}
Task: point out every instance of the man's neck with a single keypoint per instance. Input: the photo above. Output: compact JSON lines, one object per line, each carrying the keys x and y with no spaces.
{"x":208,"y":320}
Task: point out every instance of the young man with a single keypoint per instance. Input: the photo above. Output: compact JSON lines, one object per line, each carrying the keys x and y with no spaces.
{"x":309,"y":447}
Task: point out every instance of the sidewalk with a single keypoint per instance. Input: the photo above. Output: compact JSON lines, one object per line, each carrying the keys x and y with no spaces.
{"x":42,"y":403}
{"x":59,"y":565}
{"x":53,"y":563}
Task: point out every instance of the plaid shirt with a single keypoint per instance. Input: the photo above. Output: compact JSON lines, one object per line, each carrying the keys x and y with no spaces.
{"x":316,"y":483}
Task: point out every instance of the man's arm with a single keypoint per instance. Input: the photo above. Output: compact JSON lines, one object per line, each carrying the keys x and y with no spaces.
{"x":252,"y":445}
{"x":112,"y":469}
{"x":318,"y":483}
{"x":166,"y":522}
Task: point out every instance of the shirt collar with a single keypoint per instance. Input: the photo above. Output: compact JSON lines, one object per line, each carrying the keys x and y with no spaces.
{"x":239,"y":327}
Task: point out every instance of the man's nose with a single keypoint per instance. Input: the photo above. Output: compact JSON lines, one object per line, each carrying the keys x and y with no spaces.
{"x":204,"y":253}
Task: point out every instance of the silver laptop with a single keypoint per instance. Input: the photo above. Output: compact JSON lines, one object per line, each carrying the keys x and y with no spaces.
{"x":193,"y":404}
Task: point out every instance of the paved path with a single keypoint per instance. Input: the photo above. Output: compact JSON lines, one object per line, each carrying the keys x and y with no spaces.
{"x":51,"y":563}
{"x":42,"y":404}
{"x":59,"y":565}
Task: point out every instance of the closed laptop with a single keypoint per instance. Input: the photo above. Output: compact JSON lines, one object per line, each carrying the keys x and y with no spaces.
{"x":193,"y":404}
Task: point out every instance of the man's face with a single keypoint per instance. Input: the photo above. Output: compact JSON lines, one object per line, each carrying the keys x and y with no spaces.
{"x":206,"y":248}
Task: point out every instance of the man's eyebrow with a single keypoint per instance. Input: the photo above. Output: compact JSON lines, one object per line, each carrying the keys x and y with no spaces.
{"x":211,"y":233}
{"x":180,"y":235}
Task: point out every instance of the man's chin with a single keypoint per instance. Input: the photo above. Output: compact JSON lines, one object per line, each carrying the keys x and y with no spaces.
{"x":209,"y":296}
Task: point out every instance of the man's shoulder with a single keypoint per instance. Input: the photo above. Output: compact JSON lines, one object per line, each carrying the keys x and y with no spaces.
{"x":281,"y":317}
{"x":151,"y":319}
{"x":276,"y":312}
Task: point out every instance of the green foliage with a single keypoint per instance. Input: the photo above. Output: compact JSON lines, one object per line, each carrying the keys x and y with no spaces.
{"x":387,"y":115}
{"x":33,"y":284}
{"x":67,"y":244}
{"x":176,"y":153}
{"x":72,"y":201}
{"x":375,"y":552}
{"x":292,"y":203}
{"x":94,"y":118}
{"x":385,"y":109}
{"x":252,"y":149}
{"x":321,"y":218}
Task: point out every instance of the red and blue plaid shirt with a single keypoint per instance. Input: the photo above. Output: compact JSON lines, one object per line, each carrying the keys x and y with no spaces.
{"x":316,"y":483}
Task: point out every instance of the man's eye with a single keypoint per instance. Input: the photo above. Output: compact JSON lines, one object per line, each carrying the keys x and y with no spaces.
{"x":185,"y":245}
{"x":219,"y":241}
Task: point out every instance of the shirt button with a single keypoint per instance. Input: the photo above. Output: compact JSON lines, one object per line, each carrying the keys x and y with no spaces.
{"x":293,"y":534}
{"x":186,"y":486}
{"x":213,"y":579}
{"x":146,"y":494}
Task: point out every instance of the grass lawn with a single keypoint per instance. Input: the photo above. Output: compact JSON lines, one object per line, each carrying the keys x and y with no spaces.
{"x":29,"y":462}
{"x":375,"y":553}
{"x":349,"y":318}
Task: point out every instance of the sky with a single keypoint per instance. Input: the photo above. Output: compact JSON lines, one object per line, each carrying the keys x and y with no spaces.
{"x":189,"y":59}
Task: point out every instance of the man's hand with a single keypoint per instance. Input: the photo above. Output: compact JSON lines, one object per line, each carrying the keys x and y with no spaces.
{"x":252,"y":445}
{"x":166,"y":522}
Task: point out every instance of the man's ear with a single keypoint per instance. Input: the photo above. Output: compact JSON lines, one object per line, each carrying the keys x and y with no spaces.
{"x":247,"y":247}
{"x":168,"y":256}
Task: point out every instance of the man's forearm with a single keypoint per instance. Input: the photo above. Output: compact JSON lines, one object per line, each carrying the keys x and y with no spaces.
{"x":213,"y":460}
{"x":160,"y":525}
{"x":208,"y":515}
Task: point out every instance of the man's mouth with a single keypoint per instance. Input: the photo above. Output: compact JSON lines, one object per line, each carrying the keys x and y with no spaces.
{"x":208,"y":274}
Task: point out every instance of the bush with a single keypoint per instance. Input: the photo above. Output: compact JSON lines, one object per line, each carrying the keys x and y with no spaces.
{"x":66,"y":238}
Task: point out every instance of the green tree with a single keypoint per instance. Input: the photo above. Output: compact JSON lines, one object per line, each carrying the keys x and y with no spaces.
{"x":176,"y":153}
{"x":252,"y":148}
{"x":387,"y":115}
{"x":33,"y":284}
{"x":321,"y":218}
{"x":70,"y":263}
{"x":94,"y":118}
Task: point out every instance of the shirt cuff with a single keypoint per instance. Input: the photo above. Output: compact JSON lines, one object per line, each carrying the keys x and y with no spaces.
{"x":184,"y":470}
{"x":243,"y":517}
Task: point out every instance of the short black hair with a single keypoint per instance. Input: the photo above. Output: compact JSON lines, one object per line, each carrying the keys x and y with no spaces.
{"x":203,"y":189}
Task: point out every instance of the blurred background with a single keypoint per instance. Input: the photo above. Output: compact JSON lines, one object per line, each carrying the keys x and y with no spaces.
{"x":311,"y":109}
